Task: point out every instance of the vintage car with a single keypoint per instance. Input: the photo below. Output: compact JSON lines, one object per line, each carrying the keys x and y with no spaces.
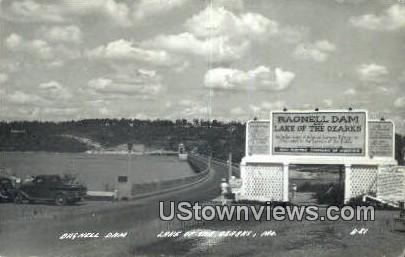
{"x":50,"y":188}
{"x":8,"y":190}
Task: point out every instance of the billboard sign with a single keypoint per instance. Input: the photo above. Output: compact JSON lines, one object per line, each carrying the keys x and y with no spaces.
{"x":319,"y":133}
{"x":258,"y":137}
{"x":381,"y":138}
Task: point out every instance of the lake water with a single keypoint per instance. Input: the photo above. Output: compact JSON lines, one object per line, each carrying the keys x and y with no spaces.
{"x":96,"y":171}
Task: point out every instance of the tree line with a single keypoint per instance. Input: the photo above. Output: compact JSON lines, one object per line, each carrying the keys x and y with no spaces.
{"x":205,"y":137}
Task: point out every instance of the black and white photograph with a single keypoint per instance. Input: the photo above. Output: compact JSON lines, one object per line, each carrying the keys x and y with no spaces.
{"x":137,"y":128}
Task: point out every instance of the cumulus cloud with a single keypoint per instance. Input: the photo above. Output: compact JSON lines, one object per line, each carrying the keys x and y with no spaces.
{"x":70,"y":33}
{"x":318,"y":51}
{"x":372,"y":72}
{"x":400,"y":102}
{"x":54,"y":90}
{"x":350,"y":92}
{"x":186,"y":108}
{"x":146,"y":8}
{"x":327,"y":102}
{"x":127,"y":50}
{"x":65,"y":11}
{"x":350,"y":1}
{"x":144,"y":84}
{"x":273,"y":106}
{"x":38,"y":48}
{"x":60,"y":111}
{"x":114,"y":11}
{"x":237,"y":111}
{"x":263,"y":109}
{"x":221,"y":36}
{"x":3,"y":77}
{"x":31,"y":11}
{"x":109,"y":86}
{"x":216,"y":49}
{"x":261,"y":77}
{"x":392,"y":18}
{"x":23,"y":98}
{"x":218,"y":21}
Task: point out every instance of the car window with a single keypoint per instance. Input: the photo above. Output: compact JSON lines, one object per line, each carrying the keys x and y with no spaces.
{"x":55,"y":179}
{"x":39,"y":180}
{"x":5,"y":182}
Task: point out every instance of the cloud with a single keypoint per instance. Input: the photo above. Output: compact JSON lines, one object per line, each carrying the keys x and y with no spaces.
{"x":259,"y":78}
{"x":108,"y":86}
{"x":221,"y":36}
{"x":318,"y":51}
{"x":218,"y":21}
{"x":115,"y":12}
{"x":327,"y":102}
{"x":71,"y":34}
{"x":264,"y":108}
{"x":383,"y":90}
{"x":350,"y":91}
{"x":400,"y":102}
{"x":54,"y":90}
{"x":38,"y":48}
{"x":60,"y":111}
{"x":124,"y":50}
{"x":216,"y":49}
{"x":372,"y":72}
{"x":3,"y":78}
{"x":350,"y":1}
{"x":31,"y":11}
{"x":186,"y":108}
{"x":142,"y":83}
{"x":272,"y":106}
{"x":392,"y":18}
{"x":237,"y":111}
{"x":146,"y":8}
{"x":23,"y":98}
{"x":66,"y":11}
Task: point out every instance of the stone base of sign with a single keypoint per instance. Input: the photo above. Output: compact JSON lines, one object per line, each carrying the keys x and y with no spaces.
{"x":266,"y":178}
{"x":263,"y":182}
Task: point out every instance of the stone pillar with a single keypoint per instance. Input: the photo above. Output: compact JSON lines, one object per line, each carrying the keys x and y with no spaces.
{"x":348,"y":175}
{"x":285,"y":181}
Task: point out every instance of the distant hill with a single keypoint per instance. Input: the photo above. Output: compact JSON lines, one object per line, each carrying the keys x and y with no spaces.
{"x":217,"y":138}
{"x":201,"y":136}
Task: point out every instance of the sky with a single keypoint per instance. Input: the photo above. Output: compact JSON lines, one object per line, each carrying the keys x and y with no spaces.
{"x":219,"y":59}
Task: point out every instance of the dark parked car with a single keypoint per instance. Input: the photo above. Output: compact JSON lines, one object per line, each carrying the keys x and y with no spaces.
{"x":50,"y":188}
{"x":8,"y":190}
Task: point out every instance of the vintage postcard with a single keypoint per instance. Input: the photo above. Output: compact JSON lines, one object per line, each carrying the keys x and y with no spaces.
{"x":202,"y":128}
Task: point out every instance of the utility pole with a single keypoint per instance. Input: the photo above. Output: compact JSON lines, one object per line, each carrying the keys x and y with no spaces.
{"x":230,"y":167}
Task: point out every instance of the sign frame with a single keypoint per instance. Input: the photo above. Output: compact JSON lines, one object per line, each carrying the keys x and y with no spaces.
{"x":393,"y":138}
{"x":247,"y":138}
{"x":317,"y":155}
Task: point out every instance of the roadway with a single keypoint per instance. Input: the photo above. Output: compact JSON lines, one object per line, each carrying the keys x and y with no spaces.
{"x":38,"y":235}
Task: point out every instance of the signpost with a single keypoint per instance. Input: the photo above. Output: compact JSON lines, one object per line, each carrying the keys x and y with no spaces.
{"x":381,"y":138}
{"x":319,"y":133}
{"x":258,"y":137}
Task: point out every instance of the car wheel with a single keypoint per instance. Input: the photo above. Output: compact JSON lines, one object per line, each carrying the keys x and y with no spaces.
{"x":19,"y":198}
{"x":60,"y":200}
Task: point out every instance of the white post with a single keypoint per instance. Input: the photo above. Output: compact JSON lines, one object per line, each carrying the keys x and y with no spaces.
{"x":243,"y":178}
{"x":230,"y":167}
{"x":285,"y":181}
{"x":348,"y":174}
